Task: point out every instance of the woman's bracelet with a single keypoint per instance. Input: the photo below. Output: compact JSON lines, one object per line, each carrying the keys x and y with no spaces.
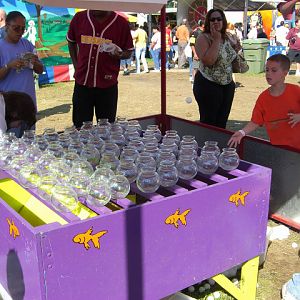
{"x":242,"y":132}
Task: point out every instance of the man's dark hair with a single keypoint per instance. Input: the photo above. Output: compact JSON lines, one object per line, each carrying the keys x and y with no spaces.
{"x":283,"y":60}
{"x":19,"y":107}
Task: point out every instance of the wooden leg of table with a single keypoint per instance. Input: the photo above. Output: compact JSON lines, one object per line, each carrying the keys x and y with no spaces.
{"x":228,"y":286}
{"x":249,"y":278}
{"x":247,"y":290}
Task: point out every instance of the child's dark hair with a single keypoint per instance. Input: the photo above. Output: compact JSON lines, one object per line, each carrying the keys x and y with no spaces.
{"x":283,"y":60}
{"x":14,"y":15}
{"x":19,"y":107}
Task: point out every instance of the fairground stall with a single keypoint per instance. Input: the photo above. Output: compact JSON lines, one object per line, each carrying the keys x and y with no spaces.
{"x":151,"y":243}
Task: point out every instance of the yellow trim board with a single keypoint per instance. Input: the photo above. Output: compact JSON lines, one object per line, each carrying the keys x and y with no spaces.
{"x":30,"y":208}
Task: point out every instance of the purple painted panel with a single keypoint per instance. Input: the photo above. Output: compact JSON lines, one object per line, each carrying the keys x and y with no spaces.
{"x":150,"y":196}
{"x":144,"y":256}
{"x":125,"y":203}
{"x":176,"y":189}
{"x":20,"y":269}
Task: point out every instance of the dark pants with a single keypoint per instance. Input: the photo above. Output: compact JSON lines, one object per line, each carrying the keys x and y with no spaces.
{"x":214,"y":100}
{"x":86,"y":99}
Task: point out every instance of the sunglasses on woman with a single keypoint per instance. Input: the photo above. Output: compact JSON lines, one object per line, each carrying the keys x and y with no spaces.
{"x":219,"y":19}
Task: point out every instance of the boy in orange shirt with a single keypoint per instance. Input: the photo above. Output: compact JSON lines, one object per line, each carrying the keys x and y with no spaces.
{"x":277,"y":108}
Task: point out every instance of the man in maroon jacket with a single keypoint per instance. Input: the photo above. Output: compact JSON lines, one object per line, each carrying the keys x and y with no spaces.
{"x":97,"y":41}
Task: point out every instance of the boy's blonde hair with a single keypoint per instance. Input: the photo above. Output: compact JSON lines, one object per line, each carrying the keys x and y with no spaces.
{"x":282,"y":59}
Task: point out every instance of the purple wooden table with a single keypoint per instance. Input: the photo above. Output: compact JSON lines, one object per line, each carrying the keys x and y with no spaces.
{"x":146,"y":251}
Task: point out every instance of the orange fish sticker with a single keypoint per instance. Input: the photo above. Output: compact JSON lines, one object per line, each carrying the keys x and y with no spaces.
{"x":13,"y":229}
{"x":235,"y":198}
{"x":84,"y":238}
{"x":174,"y":218}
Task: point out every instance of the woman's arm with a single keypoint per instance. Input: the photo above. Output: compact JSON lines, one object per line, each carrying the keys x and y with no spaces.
{"x":208,"y":51}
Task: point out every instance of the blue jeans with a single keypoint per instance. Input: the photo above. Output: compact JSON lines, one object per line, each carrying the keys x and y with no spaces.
{"x":156,"y":58}
{"x":125,"y":62}
{"x":140,"y":54}
{"x":190,"y":60}
{"x":169,"y":55}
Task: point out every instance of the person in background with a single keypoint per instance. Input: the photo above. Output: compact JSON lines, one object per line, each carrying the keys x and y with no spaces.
{"x":281,"y":33}
{"x":155,"y":48}
{"x":277,"y":108}
{"x":183,"y":36}
{"x":252,"y":34}
{"x":174,"y":47}
{"x":287,"y":8}
{"x":97,"y":41}
{"x":261,"y":33}
{"x":273,"y":37}
{"x":2,"y":23}
{"x":189,"y":56}
{"x":140,"y":39}
{"x":18,"y":60}
{"x":239,"y":31}
{"x":231,"y":33}
{"x":213,"y":86}
{"x":17,"y":113}
{"x":294,"y":45}
{"x":125,"y":65}
{"x":196,"y":32}
{"x":169,"y":44}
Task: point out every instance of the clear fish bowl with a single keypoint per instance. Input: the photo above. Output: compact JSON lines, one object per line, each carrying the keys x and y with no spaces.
{"x":64,"y":198}
{"x":99,"y":193}
{"x":148,"y":180}
{"x":119,"y":187}
{"x":168,"y":174}
{"x":207,"y":162}
{"x":229,"y":159}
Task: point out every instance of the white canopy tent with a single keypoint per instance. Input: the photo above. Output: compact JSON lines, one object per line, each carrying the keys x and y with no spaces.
{"x":146,"y":6}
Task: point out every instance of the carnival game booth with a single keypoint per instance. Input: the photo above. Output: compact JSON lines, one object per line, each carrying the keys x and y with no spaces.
{"x":146,"y":247}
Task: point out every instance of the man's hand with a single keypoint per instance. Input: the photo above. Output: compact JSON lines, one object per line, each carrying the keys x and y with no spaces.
{"x":118,"y":54}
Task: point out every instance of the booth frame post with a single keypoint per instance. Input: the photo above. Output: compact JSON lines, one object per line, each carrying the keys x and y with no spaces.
{"x":162,"y":124}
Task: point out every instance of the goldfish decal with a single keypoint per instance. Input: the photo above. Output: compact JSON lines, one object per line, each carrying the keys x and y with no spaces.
{"x":13,"y":229}
{"x":238,"y":196}
{"x":174,"y":218}
{"x":84,"y":238}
